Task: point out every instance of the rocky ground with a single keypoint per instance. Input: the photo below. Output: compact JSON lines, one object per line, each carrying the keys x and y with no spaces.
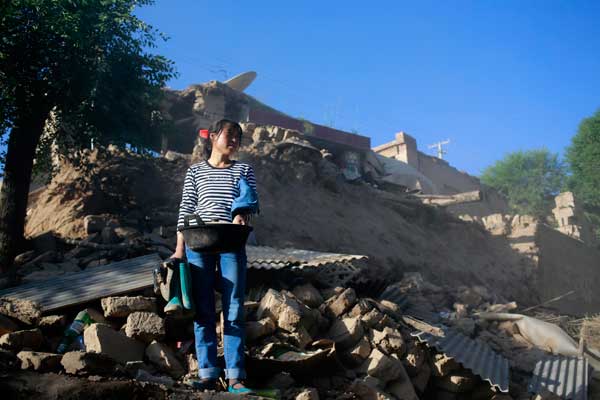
{"x":308,"y":343}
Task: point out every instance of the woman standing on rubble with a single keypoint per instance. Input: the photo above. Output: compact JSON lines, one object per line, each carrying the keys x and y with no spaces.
{"x":209,"y":190}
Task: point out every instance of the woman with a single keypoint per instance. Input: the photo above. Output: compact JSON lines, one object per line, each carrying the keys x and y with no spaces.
{"x":209,"y":190}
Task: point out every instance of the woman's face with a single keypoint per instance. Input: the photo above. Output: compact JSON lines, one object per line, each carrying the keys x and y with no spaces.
{"x":227,"y":142}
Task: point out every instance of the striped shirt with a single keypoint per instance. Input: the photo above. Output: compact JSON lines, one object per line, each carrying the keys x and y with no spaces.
{"x":209,"y":192}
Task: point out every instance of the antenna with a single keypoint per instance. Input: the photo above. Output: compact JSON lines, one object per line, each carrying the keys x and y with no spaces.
{"x":438,"y":146}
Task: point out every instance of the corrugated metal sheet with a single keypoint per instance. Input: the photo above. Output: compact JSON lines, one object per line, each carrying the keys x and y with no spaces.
{"x":262,"y":257}
{"x":565,"y":376}
{"x":93,"y":283}
{"x":395,"y":294}
{"x":472,"y":354}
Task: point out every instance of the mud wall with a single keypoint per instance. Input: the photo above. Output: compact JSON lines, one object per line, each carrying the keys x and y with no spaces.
{"x":567,"y":264}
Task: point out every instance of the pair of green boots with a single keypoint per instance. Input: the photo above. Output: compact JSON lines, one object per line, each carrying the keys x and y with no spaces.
{"x":179,"y":288}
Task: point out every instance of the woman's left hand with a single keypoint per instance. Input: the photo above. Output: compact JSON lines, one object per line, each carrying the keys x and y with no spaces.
{"x":240,"y":219}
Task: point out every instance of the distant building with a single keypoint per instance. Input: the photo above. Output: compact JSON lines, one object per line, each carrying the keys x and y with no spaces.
{"x":447,"y":179}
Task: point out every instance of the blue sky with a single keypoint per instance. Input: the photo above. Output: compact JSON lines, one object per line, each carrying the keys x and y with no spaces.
{"x":492,"y":76}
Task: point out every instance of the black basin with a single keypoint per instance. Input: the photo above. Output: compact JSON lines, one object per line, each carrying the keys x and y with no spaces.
{"x":221,"y":237}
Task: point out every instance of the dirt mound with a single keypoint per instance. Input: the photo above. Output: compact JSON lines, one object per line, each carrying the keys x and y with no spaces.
{"x":305,"y":203}
{"x":114,"y":182}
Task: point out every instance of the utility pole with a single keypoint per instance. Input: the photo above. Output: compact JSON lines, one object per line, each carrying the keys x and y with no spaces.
{"x":438,"y":146}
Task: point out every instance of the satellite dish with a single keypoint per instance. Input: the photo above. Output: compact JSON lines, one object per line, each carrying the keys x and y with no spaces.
{"x":242,"y":81}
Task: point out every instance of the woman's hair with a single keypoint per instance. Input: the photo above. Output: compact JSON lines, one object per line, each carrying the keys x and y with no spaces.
{"x":217,"y":127}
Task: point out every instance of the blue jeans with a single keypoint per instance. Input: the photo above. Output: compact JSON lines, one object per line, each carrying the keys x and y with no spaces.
{"x":233,"y":285}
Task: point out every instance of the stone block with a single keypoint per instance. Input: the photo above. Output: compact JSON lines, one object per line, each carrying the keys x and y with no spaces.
{"x":402,"y":388}
{"x":421,"y":379}
{"x":340,"y":304}
{"x":459,"y":382}
{"x":80,"y":363}
{"x":372,"y":318}
{"x":52,"y":324}
{"x":382,"y":366}
{"x":23,"y":310}
{"x":443,"y":365}
{"x":287,"y":312}
{"x":101,"y":338}
{"x":37,"y":361}
{"x":7,"y":325}
{"x":389,"y":340}
{"x":164,"y":359}
{"x":258,"y":329}
{"x":308,"y":394}
{"x":145,"y":326}
{"x":359,"y":353}
{"x":414,"y":359}
{"x":31,"y":339}
{"x":309,"y":295}
{"x":121,"y":307}
{"x":346,"y":332}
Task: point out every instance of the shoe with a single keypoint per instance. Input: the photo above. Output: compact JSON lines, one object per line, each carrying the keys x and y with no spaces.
{"x":242,"y":390}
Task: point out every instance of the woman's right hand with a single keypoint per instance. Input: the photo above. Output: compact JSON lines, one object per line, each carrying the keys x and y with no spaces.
{"x":180,"y":247}
{"x":178,"y":254}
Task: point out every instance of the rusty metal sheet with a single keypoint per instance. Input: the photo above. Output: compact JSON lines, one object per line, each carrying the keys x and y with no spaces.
{"x":565,"y":376}
{"x":472,"y":354}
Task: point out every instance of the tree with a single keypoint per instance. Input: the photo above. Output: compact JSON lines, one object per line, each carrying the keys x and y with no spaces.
{"x":584,"y":158}
{"x":83,"y":62}
{"x":529,"y":179}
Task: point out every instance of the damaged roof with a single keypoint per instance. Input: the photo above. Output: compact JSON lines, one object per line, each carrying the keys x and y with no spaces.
{"x":263,"y":257}
{"x":565,"y":376}
{"x":472,"y":354}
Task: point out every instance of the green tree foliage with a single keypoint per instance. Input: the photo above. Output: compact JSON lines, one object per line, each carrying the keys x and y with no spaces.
{"x":83,"y":62}
{"x":584,"y":158}
{"x":529,"y":179}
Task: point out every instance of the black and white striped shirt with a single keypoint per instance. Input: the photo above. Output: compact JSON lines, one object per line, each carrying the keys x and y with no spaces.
{"x":209,"y":191}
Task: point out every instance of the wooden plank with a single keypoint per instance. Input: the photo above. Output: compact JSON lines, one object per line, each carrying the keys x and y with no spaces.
{"x":93,"y":283}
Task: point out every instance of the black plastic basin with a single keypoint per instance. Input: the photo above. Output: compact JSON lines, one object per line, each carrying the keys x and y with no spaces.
{"x":221,"y":237}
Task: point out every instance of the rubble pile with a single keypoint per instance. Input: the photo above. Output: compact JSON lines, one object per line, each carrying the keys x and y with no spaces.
{"x":305,"y":203}
{"x":307,"y":341}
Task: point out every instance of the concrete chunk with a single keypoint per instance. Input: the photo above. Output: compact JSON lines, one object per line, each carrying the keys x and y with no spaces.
{"x":389,"y":340}
{"x":164,"y":359}
{"x":346,"y":332}
{"x":80,"y":363}
{"x":121,"y":307}
{"x":37,"y":361}
{"x":7,"y":325}
{"x":257,"y":329}
{"x":443,"y":365}
{"x":25,"y":311}
{"x":383,"y":367}
{"x":460,"y":382}
{"x":287,"y":312}
{"x":359,"y":353}
{"x":100,"y":338}
{"x":340,"y":304}
{"x":31,"y":339}
{"x":145,"y":326}
{"x":308,"y":394}
{"x":402,"y":389}
{"x":309,"y":295}
{"x":52,"y":324}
